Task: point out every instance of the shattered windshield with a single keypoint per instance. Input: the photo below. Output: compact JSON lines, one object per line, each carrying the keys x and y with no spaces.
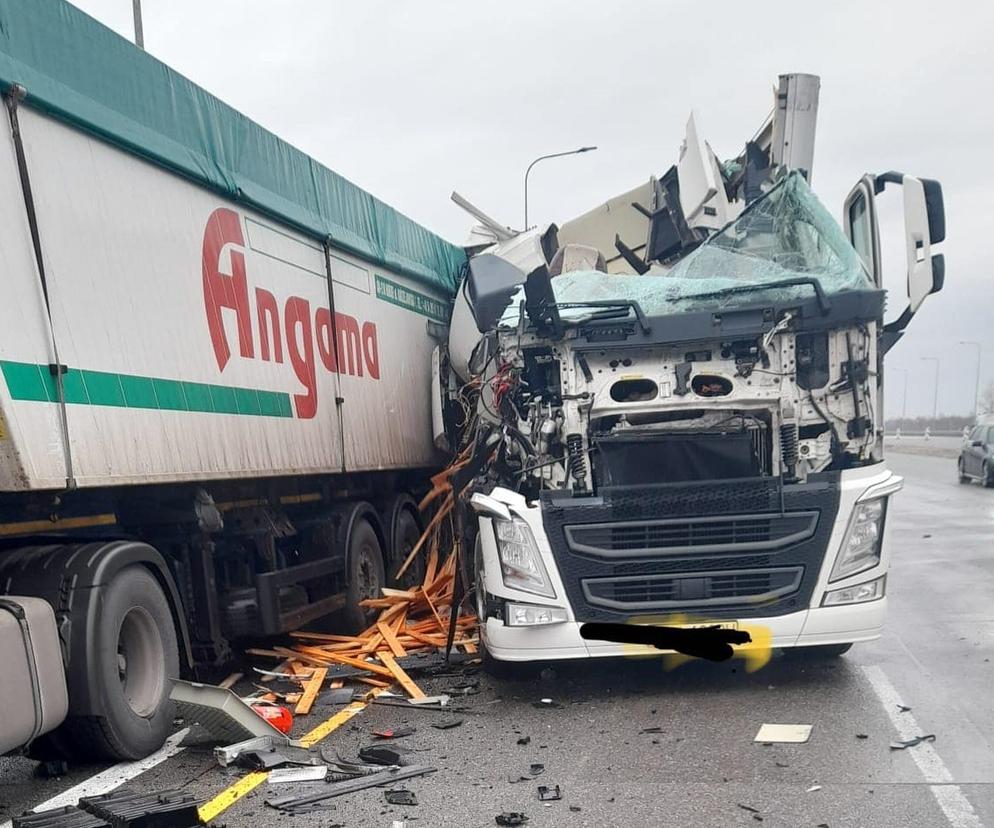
{"x":786,"y":235}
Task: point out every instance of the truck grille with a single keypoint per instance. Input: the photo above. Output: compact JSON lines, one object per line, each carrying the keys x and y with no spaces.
{"x":701,"y":535}
{"x":692,"y":589}
{"x":739,"y":548}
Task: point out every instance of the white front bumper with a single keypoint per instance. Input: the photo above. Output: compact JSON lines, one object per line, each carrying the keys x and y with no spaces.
{"x":824,"y":625}
{"x":808,"y":627}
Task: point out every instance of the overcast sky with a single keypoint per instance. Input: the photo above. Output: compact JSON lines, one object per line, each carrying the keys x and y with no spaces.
{"x":412,"y":100}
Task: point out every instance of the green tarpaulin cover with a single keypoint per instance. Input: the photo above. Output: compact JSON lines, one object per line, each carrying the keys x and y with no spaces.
{"x":79,"y":71}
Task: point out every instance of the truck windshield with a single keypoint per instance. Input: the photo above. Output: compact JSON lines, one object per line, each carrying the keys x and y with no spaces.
{"x":786,"y":235}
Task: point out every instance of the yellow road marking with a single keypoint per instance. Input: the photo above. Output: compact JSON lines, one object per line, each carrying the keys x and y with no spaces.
{"x":248,"y":783}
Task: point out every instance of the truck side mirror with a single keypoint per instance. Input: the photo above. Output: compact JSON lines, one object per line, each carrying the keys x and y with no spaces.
{"x":924,"y":226}
{"x":491,"y":283}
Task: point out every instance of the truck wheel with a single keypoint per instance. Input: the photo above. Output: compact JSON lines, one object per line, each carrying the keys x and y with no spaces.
{"x":959,"y":468}
{"x":133,"y":661}
{"x":365,"y":574}
{"x":406,"y":533}
{"x":986,"y":477}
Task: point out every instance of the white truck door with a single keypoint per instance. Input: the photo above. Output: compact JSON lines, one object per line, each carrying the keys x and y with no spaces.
{"x":924,"y":226}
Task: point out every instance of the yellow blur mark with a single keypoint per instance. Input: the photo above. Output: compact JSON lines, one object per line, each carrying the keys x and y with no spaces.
{"x":248,"y":783}
{"x":755,"y":654}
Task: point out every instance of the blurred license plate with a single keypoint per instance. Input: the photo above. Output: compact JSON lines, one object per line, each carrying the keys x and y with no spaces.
{"x":721,"y":625}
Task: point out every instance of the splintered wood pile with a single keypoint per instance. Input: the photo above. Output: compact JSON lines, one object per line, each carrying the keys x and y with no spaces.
{"x":411,"y":621}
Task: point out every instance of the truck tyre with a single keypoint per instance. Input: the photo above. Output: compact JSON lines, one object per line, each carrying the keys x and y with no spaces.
{"x":986,"y":477}
{"x":959,"y":468}
{"x":406,"y":533}
{"x":134,"y":658}
{"x":365,"y":575}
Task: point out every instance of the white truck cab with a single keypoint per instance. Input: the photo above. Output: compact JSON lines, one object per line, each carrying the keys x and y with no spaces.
{"x":690,"y":433}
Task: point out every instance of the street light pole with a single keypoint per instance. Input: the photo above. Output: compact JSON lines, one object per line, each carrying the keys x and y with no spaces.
{"x":542,"y":158}
{"x":935,"y":397}
{"x":904,"y":400}
{"x":136,"y":6}
{"x":976,"y":387}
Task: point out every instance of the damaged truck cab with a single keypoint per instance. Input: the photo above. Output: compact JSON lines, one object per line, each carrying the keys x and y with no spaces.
{"x":698,"y":442}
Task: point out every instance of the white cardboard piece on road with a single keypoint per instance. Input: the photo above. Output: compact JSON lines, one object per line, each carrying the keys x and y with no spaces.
{"x":789,"y":733}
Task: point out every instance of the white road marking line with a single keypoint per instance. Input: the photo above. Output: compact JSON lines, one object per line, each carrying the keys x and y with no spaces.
{"x":111,"y":778}
{"x":954,"y":804}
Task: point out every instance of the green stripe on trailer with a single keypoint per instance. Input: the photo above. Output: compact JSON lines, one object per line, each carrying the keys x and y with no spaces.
{"x":28,"y":382}
{"x":412,"y":300}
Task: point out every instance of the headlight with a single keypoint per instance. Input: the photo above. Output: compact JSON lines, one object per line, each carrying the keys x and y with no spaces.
{"x":859,"y":594}
{"x":861,"y":545}
{"x":528,"y":615}
{"x":520,"y":562}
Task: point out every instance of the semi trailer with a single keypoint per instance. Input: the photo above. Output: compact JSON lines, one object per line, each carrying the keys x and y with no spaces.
{"x":674,"y":403}
{"x":214,"y":385}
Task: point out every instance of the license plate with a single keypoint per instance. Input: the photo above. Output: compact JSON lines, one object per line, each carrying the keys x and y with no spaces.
{"x":721,"y":625}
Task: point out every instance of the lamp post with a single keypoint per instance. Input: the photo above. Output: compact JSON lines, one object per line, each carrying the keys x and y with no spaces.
{"x":935,"y":397}
{"x":136,"y":6}
{"x":976,"y":387}
{"x":904,"y":399}
{"x":542,"y":158}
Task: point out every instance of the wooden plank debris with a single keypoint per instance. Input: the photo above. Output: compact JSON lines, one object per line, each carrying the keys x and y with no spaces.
{"x":411,"y":621}
{"x":311,"y":688}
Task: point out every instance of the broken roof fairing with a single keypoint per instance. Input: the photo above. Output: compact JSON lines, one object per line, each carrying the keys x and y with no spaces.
{"x":785,"y":235}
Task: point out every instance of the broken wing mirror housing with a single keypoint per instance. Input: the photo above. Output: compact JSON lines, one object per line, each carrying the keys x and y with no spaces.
{"x":491,"y":283}
{"x":924,"y":226}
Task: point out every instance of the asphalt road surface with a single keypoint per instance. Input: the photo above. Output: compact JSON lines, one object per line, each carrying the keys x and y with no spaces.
{"x":702,"y":768}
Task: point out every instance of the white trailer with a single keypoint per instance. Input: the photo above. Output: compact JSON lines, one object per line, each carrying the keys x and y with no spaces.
{"x":214,"y":379}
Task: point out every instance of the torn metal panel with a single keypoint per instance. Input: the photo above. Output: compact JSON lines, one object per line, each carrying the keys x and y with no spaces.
{"x":221,"y":712}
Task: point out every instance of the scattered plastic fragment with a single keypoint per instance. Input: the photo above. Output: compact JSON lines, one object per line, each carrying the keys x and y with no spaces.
{"x":446,"y":724}
{"x":400,"y":796}
{"x":547,"y":793}
{"x":303,"y":774}
{"x":509,"y":818}
{"x":748,"y":808}
{"x":536,"y":768}
{"x":384,"y":754}
{"x":221,"y":712}
{"x":524,"y":740}
{"x":813,"y":788}
{"x":651,"y":730}
{"x":862,"y":736}
{"x":277,"y":715}
{"x":898,"y":745}
{"x":542,"y":704}
{"x":304,"y":804}
{"x":575,"y":809}
{"x":789,"y":733}
{"x":132,"y":808}
{"x":394,"y":733}
{"x":903,"y":708}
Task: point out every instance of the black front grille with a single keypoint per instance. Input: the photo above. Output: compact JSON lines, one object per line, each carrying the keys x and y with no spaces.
{"x":692,"y":590}
{"x":675,"y":536}
{"x":730,"y":549}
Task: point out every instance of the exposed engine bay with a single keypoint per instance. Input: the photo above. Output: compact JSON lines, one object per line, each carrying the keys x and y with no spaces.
{"x":754,"y":354}
{"x":562,"y":415}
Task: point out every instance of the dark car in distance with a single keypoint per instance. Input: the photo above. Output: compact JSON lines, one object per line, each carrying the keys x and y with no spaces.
{"x":976,"y":457}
